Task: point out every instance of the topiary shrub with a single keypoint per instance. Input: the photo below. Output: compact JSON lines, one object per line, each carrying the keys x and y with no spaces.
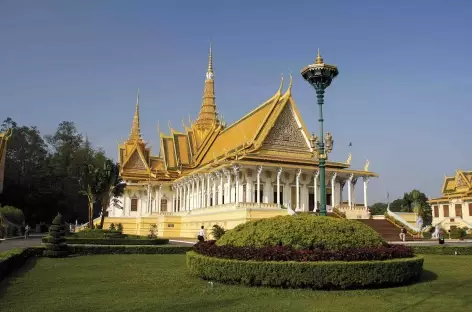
{"x":55,"y":241}
{"x":302,"y":232}
{"x":119,"y":227}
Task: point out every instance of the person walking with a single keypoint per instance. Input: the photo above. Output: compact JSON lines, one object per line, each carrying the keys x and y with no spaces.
{"x":27,"y":229}
{"x":201,"y":234}
{"x":403,"y":234}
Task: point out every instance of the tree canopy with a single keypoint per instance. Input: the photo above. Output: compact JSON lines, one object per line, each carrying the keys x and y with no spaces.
{"x":43,"y":173}
{"x":414,"y":201}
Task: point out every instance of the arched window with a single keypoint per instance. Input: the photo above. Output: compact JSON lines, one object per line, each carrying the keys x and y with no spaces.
{"x":134,"y":204}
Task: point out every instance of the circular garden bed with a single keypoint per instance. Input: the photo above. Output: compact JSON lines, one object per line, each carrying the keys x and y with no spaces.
{"x":305,"y":251}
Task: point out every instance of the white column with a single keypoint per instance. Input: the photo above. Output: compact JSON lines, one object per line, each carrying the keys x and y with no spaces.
{"x":279,"y":173}
{"x":213,"y":190}
{"x":349,"y":190}
{"x":333,"y":190}
{"x":315,"y":189}
{"x":189,"y":186}
{"x":184,"y":198}
{"x":299,"y":172}
{"x":203,"y":196}
{"x":173,"y":199}
{"x":209,"y":189}
{"x":179,"y":203}
{"x":197,"y":194}
{"x":366,"y":181}
{"x":259,"y":171}
{"x":159,"y":196}
{"x":228,"y":193}
{"x":236,"y":178}
{"x":220,"y":192}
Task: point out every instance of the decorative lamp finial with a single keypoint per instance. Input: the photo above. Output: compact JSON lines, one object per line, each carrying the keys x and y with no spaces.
{"x":319,"y":59}
{"x":281,"y":83}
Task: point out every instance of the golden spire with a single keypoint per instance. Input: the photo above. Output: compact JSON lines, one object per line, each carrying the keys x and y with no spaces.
{"x":281,"y":84}
{"x":290,"y":84}
{"x":210,"y":63}
{"x":319,"y":59}
{"x":207,"y":116}
{"x":135,"y":134}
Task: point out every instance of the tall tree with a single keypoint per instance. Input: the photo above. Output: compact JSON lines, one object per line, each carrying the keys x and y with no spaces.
{"x":110,"y":187}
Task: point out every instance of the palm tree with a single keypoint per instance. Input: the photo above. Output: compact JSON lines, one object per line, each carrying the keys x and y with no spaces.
{"x":109,"y":187}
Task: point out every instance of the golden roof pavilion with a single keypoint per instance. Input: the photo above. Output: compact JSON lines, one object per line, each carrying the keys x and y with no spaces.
{"x":261,"y":161}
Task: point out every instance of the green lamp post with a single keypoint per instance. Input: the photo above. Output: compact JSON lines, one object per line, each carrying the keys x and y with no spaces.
{"x":319,"y":75}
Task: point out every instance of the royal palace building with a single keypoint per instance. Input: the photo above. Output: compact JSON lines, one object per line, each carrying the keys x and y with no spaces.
{"x":211,"y":173}
{"x":454,"y":208}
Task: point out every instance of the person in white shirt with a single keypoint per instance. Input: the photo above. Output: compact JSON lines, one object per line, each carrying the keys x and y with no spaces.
{"x":201,"y":234}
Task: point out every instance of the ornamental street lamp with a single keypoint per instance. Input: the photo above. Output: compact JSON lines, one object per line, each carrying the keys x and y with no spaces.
{"x":319,"y":75}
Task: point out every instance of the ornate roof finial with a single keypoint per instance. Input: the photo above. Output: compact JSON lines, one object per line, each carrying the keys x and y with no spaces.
{"x":210,"y":74}
{"x":319,"y":59}
{"x":281,"y":83}
{"x":290,"y":84}
{"x":135,"y":134}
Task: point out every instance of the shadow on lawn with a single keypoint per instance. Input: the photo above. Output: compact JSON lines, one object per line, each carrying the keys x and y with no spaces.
{"x":427,"y":276}
{"x":29,"y":265}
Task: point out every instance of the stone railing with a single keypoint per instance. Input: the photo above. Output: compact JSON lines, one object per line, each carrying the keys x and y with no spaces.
{"x":354,"y":212}
{"x":403,"y":222}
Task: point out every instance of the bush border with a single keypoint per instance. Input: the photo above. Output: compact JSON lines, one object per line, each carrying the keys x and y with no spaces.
{"x":127,"y":249}
{"x":116,"y":241}
{"x":442,"y":250}
{"x":318,"y":275}
{"x":13,"y":259}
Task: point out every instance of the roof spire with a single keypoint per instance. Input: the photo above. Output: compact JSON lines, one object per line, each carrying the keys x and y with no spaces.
{"x":207,"y":116}
{"x":135,"y":134}
{"x":319,"y":59}
{"x":210,"y":74}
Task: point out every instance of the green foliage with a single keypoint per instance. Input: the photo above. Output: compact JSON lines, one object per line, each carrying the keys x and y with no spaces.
{"x":217,"y":231}
{"x":331,"y":274}
{"x":47,"y":170}
{"x":443,"y":250}
{"x":302,"y":232}
{"x":54,"y":242}
{"x":14,"y":258}
{"x":459,"y":233}
{"x":127,"y":249}
{"x":12,"y":214}
{"x":378,"y":209}
{"x":119,"y":228}
{"x":112,"y":227}
{"x":117,"y":241}
{"x":97,"y":233}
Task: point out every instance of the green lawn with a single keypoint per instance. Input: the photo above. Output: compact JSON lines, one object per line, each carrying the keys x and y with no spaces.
{"x":161,"y":283}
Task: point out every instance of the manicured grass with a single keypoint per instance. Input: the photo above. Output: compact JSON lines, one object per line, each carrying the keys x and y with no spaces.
{"x":162,"y":283}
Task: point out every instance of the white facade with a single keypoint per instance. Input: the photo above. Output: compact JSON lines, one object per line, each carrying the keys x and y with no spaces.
{"x":299,"y":190}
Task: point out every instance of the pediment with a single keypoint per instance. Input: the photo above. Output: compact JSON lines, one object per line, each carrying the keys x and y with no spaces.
{"x":136,"y":162}
{"x":286,"y":133}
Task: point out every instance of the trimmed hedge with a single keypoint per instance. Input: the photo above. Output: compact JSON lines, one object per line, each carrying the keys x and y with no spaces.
{"x":287,"y":253}
{"x":15,"y":258}
{"x":117,"y":241}
{"x":443,"y":250}
{"x":302,"y":232}
{"x":317,"y":275}
{"x":114,"y":249}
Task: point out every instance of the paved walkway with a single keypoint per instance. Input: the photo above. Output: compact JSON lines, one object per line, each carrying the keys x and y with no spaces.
{"x":447,"y":242}
{"x":20,"y":243}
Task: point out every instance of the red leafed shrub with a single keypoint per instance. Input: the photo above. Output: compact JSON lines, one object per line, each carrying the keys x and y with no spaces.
{"x":287,"y":253}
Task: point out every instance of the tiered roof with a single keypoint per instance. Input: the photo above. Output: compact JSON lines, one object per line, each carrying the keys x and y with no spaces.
{"x":274,"y":132}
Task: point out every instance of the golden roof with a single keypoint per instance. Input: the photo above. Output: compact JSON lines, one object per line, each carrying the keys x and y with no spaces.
{"x":273,"y":132}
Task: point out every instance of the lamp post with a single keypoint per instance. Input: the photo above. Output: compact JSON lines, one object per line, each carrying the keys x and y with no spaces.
{"x":319,"y":75}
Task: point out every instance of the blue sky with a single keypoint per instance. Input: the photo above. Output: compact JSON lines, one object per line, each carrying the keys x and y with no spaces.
{"x":403,"y":96}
